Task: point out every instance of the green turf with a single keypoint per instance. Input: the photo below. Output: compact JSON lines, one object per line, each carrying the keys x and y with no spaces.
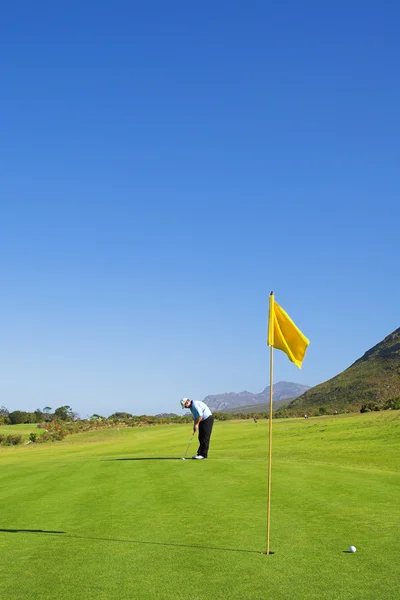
{"x":23,"y":430}
{"x":195,"y":530}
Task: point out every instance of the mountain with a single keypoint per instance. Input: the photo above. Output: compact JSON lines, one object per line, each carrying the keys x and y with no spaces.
{"x":282,"y":390}
{"x":259,"y":408}
{"x":374,"y":378}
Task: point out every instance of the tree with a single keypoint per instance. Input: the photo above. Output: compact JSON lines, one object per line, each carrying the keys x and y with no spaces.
{"x":40,"y":416}
{"x":64,"y":413}
{"x":4,"y":420}
{"x":19,"y":416}
{"x":120,"y":415}
{"x":47,"y":413}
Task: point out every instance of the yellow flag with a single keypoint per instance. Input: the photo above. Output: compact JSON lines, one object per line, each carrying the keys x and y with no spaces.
{"x":284,"y":335}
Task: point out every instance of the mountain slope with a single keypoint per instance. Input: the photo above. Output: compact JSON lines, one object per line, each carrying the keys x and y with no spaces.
{"x":375,"y":377}
{"x":282,"y":390}
{"x":258,"y":408}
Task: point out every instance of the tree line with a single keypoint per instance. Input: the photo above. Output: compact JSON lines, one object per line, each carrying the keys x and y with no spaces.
{"x":18,"y":417}
{"x":65,"y":414}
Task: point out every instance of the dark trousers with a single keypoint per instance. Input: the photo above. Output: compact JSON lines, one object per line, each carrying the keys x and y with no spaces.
{"x":205,"y":429}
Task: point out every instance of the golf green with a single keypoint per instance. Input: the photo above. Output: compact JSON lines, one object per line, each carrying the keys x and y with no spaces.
{"x":115,"y":514}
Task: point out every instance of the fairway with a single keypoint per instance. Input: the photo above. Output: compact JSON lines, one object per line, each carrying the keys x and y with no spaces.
{"x":23,"y":430}
{"x":115,"y":514}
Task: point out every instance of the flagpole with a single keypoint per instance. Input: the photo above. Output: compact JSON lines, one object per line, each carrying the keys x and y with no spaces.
{"x":282,"y":335}
{"x":271,"y":367}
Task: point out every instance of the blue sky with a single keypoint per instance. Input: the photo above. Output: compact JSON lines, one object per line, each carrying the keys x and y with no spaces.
{"x":164,"y":166}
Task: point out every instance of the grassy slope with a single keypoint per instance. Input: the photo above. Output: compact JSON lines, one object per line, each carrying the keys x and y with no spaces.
{"x":194,"y":530}
{"x":375,"y":377}
{"x":23,"y":430}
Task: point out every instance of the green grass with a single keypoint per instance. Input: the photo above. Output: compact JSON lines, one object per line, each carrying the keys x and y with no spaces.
{"x":174,"y":530}
{"x":23,"y":430}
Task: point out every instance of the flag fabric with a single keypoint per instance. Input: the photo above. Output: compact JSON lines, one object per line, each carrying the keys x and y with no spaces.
{"x":284,"y":335}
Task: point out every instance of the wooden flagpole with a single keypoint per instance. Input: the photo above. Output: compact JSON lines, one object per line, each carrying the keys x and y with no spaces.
{"x":271,"y":367}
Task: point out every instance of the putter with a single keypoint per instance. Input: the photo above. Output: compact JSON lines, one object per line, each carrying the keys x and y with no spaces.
{"x":186,"y":451}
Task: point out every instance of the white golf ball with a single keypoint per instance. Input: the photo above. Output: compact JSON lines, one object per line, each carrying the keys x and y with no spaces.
{"x":352,"y":549}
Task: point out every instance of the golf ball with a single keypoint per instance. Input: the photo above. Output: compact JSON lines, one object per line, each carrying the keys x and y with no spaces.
{"x":183,"y":458}
{"x":352,"y":549}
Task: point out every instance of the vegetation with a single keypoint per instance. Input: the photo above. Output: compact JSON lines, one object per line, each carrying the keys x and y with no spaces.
{"x":17,"y":417}
{"x":11,"y":439}
{"x":64,"y":422}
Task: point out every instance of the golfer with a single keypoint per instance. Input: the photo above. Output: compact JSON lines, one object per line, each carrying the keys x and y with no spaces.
{"x":203,"y":423}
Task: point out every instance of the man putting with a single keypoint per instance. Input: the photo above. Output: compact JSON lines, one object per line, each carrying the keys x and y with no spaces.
{"x":203,"y":423}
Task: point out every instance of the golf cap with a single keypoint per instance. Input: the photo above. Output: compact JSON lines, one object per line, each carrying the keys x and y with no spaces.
{"x":183,"y":402}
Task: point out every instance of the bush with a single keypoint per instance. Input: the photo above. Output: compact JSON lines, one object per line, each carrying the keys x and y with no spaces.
{"x":370,"y":406}
{"x":393,"y":403}
{"x":51,"y":436}
{"x":11,"y":440}
{"x":59,"y":435}
{"x":43,"y":437}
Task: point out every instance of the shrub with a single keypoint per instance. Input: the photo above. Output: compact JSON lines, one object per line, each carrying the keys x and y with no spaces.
{"x":43,"y":437}
{"x":393,"y":403}
{"x":12,"y":440}
{"x":370,"y":406}
{"x":60,"y":434}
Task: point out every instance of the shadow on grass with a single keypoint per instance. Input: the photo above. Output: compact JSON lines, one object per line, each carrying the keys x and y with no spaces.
{"x":30,"y":531}
{"x":101,"y":539}
{"x":146,"y":458}
{"x":79,"y":537}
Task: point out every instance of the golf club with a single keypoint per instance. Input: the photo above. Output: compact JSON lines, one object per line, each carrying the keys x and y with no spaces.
{"x":186,"y":451}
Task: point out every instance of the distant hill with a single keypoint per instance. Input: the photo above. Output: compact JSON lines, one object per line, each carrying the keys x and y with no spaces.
{"x":166,"y":415}
{"x":375,"y":377}
{"x":264,"y":407}
{"x":283,"y":390}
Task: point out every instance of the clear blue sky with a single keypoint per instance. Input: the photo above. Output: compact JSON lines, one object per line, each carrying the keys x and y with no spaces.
{"x":164,"y":166}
